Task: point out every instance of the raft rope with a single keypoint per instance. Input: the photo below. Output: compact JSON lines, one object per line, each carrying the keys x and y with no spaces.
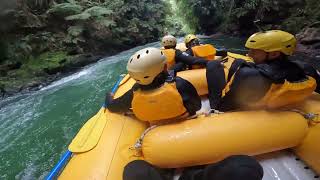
{"x":311,"y":117}
{"x":215,"y":111}
{"x":138,"y":144}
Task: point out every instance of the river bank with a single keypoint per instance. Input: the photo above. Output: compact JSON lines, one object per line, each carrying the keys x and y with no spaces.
{"x":32,"y":76}
{"x":46,"y":40}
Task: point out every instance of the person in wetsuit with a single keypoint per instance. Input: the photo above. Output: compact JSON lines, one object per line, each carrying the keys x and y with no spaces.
{"x":156,"y":95}
{"x":176,"y":59}
{"x":245,"y":84}
{"x":237,"y":167}
{"x":206,"y":51}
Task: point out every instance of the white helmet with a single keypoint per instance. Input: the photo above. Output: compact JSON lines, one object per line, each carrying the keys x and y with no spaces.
{"x":146,"y":64}
{"x":169,"y":41}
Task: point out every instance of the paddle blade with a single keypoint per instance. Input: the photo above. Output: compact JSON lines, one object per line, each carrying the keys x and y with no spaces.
{"x":89,"y":135}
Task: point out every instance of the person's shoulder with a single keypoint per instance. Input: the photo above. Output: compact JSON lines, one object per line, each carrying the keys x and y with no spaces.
{"x":178,"y":51}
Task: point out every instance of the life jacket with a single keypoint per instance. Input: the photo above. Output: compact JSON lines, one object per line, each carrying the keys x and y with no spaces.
{"x":288,"y":93}
{"x":163,"y":103}
{"x":205,"y":51}
{"x":170,"y":56}
{"x":278,"y":95}
{"x":231,"y":66}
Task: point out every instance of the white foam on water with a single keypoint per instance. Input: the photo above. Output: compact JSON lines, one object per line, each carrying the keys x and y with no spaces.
{"x":20,"y":120}
{"x":66,"y":79}
{"x":28,"y":172}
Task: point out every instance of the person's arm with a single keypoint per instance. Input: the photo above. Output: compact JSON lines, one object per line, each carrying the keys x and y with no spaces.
{"x":179,"y":66}
{"x":120,"y":104}
{"x":189,"y":60}
{"x":189,"y":51}
{"x":310,"y":71}
{"x":222,"y":53}
{"x":190,"y":97}
{"x":249,"y":85}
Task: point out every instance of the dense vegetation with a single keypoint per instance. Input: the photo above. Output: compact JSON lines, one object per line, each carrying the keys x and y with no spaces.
{"x":237,"y":16}
{"x":43,"y":37}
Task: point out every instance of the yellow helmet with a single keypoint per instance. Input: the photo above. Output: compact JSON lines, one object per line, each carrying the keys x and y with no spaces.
{"x":189,"y":38}
{"x":273,"y":40}
{"x":146,"y":64}
{"x":169,"y":41}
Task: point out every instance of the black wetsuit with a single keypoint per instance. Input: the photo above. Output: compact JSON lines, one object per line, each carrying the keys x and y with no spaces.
{"x":184,"y":60}
{"x":231,"y":168}
{"x":310,"y":71}
{"x":251,"y":81}
{"x":190,"y":97}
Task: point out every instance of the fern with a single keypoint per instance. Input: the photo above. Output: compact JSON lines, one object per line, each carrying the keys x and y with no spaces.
{"x":82,"y":16}
{"x":94,"y":12}
{"x":97,"y":11}
{"x":107,"y":23}
{"x":65,"y":9}
{"x":75,"y":30}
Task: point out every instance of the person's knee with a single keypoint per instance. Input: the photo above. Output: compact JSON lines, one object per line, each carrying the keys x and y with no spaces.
{"x":234,"y":168}
{"x":212,"y":65}
{"x":140,"y":170}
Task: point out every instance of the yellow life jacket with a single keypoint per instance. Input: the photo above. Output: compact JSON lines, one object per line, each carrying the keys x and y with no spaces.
{"x":163,"y":103}
{"x":233,"y":56}
{"x":205,"y":51}
{"x":228,"y":62}
{"x":278,"y":95}
{"x":288,"y":93}
{"x":170,"y":56}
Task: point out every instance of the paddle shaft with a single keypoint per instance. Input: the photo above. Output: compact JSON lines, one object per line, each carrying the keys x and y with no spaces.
{"x":67,"y":155}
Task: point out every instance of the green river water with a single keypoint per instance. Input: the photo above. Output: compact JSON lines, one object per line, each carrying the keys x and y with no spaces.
{"x":36,"y":128}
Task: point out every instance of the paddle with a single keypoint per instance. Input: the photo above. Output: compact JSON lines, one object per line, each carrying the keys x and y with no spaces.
{"x":90,"y":133}
{"x":87,"y":138}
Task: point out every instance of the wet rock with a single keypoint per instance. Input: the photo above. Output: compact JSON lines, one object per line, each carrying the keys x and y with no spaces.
{"x":309,"y":41}
{"x":11,"y":66}
{"x":309,"y":36}
{"x":52,"y":71}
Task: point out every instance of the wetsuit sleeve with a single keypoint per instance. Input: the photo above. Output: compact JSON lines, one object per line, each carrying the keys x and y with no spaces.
{"x":179,"y":66}
{"x":189,"y":51}
{"x":189,"y":60}
{"x":310,"y":71}
{"x":190,"y":97}
{"x":120,"y":104}
{"x":222,"y":53}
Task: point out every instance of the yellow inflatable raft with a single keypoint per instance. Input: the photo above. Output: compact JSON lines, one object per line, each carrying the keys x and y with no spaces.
{"x":194,"y":141}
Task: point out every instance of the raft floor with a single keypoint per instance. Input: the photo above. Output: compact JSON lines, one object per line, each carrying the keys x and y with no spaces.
{"x":284,"y":165}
